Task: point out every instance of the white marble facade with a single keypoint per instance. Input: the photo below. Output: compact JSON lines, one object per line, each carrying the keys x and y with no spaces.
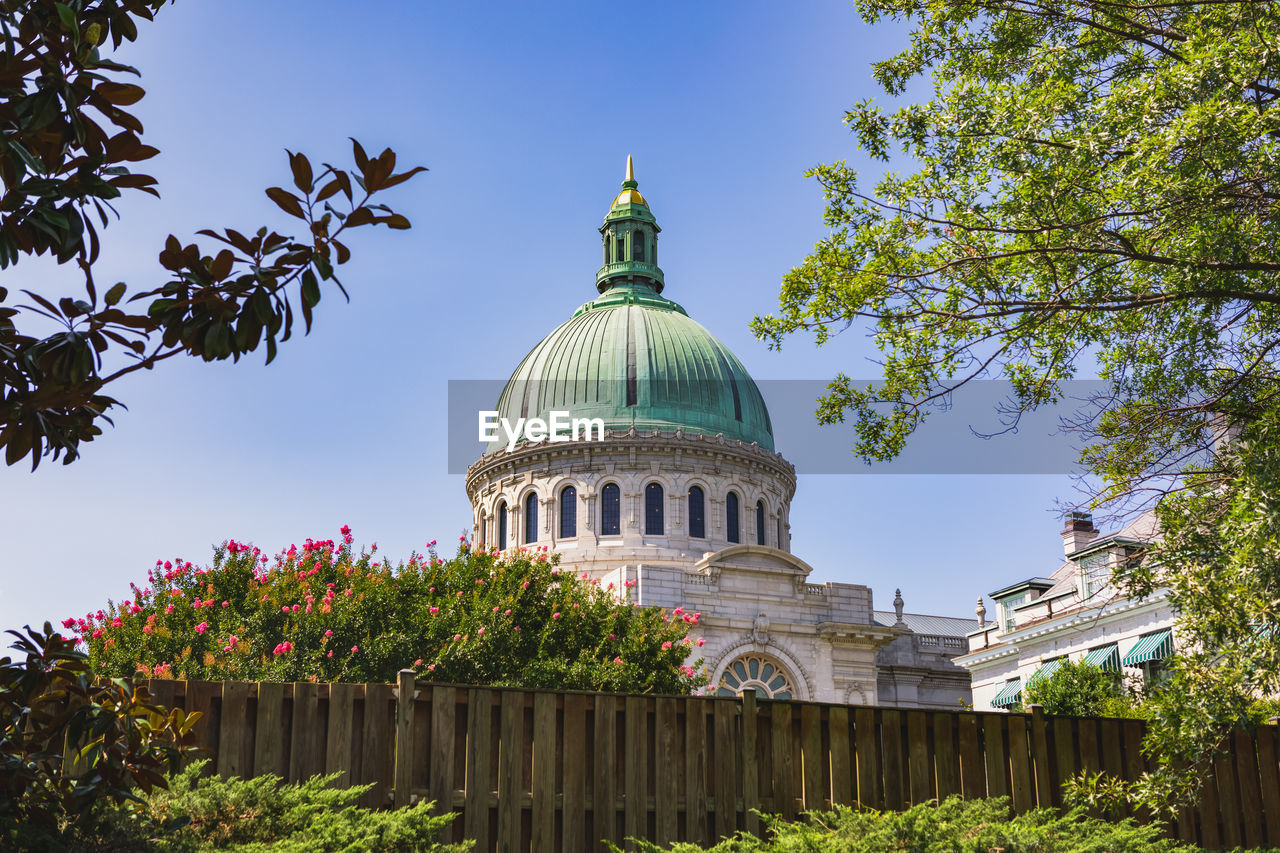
{"x":766,"y":627}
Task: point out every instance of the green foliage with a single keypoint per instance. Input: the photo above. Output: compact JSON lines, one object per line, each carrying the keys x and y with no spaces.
{"x":66,"y":154}
{"x":1219,"y":559}
{"x":1082,"y":690}
{"x":50,"y":702}
{"x":1089,"y":186}
{"x":262,"y":814}
{"x":954,"y":826}
{"x":325,"y":613}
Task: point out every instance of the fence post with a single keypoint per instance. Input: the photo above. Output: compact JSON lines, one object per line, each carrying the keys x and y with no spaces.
{"x":1040,"y":757}
{"x":406,"y":681}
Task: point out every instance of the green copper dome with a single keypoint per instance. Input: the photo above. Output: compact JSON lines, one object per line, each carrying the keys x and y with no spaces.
{"x":634,"y":358}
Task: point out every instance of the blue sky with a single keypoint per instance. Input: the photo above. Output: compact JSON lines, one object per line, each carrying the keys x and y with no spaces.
{"x":524,"y":112}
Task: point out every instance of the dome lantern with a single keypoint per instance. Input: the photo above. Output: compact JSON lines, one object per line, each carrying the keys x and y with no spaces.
{"x":630,"y":240}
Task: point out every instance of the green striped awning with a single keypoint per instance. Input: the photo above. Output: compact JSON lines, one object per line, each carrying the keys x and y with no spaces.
{"x":1046,"y":670}
{"x":1010,"y":694}
{"x":1105,"y":657}
{"x":1153,"y":646}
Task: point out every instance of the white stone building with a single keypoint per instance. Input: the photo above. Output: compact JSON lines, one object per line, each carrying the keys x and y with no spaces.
{"x":686,"y":499}
{"x":1073,"y":614}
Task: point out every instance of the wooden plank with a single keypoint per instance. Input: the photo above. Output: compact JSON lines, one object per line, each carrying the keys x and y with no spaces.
{"x":843,"y":788}
{"x":1131,"y":737}
{"x":891,"y":738}
{"x":304,"y":750}
{"x":868,"y":759}
{"x":402,"y":743}
{"x":337,"y":748}
{"x":993,"y":727}
{"x":574,"y":757}
{"x":973,"y":771}
{"x":510,"y":770}
{"x":695,"y":771}
{"x":1047,"y":787}
{"x":544,"y":770}
{"x":944,"y":754}
{"x":751,"y":762}
{"x":1022,"y":770}
{"x":784,"y":798}
{"x":604,"y":795}
{"x":666,"y":818}
{"x":1210,"y":812}
{"x":205,"y":698}
{"x":375,"y":760}
{"x":918,"y":758}
{"x":812,"y":791}
{"x":479,"y":782}
{"x":440,"y":773}
{"x":1065,"y":753}
{"x":726,"y":766}
{"x":1089,"y":761}
{"x":636,"y":791}
{"x":1112,"y":752}
{"x":268,"y":748}
{"x":1250,"y":795}
{"x":235,"y":753}
{"x":1228,"y":800}
{"x":1269,"y":782}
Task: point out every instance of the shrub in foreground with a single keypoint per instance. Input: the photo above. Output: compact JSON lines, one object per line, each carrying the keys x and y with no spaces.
{"x":954,"y":826}
{"x":323,"y":612}
{"x":197,"y":814}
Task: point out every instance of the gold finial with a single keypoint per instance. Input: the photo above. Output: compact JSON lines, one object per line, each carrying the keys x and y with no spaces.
{"x":630,"y":173}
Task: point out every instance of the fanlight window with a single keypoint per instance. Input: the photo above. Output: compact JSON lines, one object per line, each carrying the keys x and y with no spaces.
{"x":758,"y":673}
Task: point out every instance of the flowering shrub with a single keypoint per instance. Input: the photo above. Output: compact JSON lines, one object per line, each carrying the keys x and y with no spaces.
{"x":323,"y":613}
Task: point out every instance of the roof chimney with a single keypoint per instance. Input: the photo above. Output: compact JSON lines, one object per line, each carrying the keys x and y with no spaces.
{"x":1077,"y":531}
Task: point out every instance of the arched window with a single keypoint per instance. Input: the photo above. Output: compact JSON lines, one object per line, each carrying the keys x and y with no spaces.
{"x":637,"y":245}
{"x":760,"y":523}
{"x":620,"y":248}
{"x":568,"y":512}
{"x":697,"y":513}
{"x":731,"y":517}
{"x":610,"y":511}
{"x":758,"y":673}
{"x":531,"y":518}
{"x":502,"y":526}
{"x":779,"y":542}
{"x":653,"y":510}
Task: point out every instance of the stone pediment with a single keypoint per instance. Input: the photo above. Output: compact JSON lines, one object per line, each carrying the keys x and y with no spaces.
{"x":757,"y":559}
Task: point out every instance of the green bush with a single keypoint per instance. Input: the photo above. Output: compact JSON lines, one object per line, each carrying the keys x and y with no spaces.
{"x":197,"y":814}
{"x":51,"y":705}
{"x":954,"y":826}
{"x":1083,"y":690}
{"x":324,"y":612}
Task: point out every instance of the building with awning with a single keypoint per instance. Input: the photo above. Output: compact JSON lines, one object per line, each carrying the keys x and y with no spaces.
{"x":1074,"y":613}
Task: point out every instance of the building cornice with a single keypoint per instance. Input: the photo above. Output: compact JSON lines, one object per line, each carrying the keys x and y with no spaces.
{"x":1103,"y":615}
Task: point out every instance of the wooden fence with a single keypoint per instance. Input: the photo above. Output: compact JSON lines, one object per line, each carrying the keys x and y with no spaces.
{"x":538,"y":770}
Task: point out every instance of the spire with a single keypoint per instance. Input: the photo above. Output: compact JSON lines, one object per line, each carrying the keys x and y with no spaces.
{"x":630,"y":240}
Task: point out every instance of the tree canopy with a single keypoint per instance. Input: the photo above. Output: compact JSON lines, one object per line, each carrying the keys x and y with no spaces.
{"x":67,"y":150}
{"x":1092,"y":185}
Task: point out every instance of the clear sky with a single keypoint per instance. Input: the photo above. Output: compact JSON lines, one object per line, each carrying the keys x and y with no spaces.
{"x":524,"y":112}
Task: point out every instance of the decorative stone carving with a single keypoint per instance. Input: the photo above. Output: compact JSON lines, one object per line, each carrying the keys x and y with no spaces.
{"x":760,"y":630}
